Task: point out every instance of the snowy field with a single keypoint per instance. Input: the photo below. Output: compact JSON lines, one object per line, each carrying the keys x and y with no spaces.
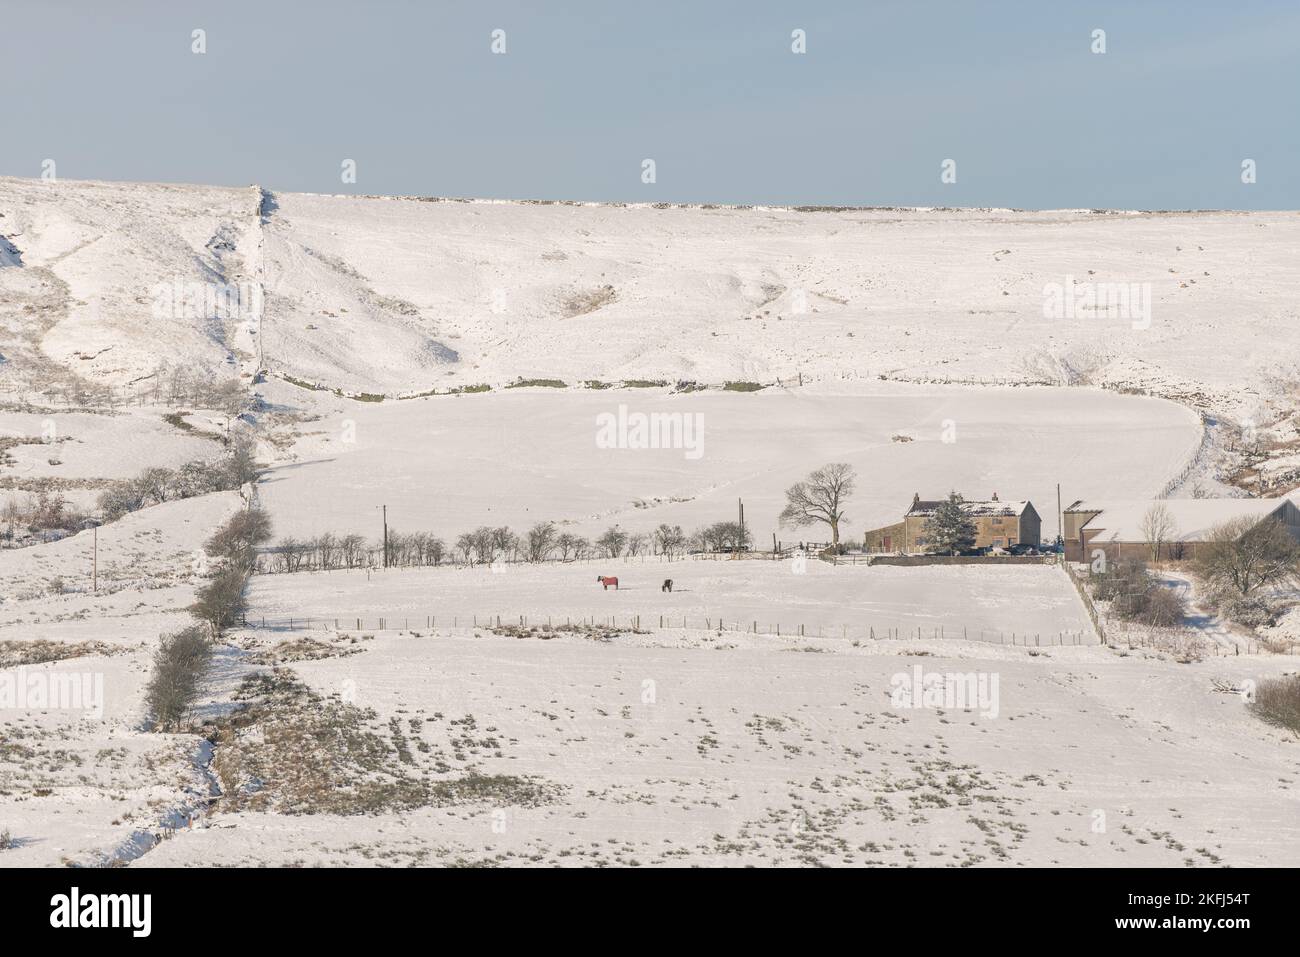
{"x":692,"y":748}
{"x":447,"y":464}
{"x":1000,"y":602}
{"x":735,"y":751}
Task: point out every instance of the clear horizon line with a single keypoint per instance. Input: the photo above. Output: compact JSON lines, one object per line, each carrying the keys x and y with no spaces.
{"x":670,"y":204}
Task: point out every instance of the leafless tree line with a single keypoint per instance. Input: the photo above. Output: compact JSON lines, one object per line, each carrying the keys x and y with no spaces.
{"x":45,"y":514}
{"x":174,"y":385}
{"x":156,"y":485}
{"x":183,"y":657}
{"x":485,"y":545}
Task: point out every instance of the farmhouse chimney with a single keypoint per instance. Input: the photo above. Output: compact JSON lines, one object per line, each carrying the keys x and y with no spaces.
{"x":916,"y":499}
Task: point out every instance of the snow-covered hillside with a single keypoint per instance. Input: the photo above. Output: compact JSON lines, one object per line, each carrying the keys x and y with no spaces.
{"x":609,"y":292}
{"x":86,"y":260}
{"x":393,"y":295}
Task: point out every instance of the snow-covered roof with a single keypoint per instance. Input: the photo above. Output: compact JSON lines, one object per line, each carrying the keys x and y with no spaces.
{"x":990,"y":507}
{"x":1193,"y":518}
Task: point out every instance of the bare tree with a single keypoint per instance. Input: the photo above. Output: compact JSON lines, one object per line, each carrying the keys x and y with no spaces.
{"x":612,"y":542}
{"x":705,"y":539}
{"x":241,"y":467}
{"x":353,"y":547}
{"x":1158,"y":527}
{"x":730,"y":536}
{"x":179,"y":663}
{"x":326,"y":549}
{"x":1245,"y":554}
{"x":505,"y":543}
{"x":11,"y":514}
{"x":220,"y":601}
{"x":541,"y":541}
{"x":237,"y":540}
{"x":482,"y":539}
{"x":157,"y":483}
{"x":569,"y":545}
{"x":119,"y":499}
{"x":669,"y":539}
{"x":820,"y":498}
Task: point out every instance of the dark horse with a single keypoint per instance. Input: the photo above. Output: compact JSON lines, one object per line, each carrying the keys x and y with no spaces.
{"x":668,"y":585}
{"x":607,"y":580}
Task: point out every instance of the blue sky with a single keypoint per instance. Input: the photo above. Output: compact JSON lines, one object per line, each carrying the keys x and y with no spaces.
{"x":709,"y":90}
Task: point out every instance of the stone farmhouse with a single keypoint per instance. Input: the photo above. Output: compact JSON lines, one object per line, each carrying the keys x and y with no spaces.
{"x":998,"y":524}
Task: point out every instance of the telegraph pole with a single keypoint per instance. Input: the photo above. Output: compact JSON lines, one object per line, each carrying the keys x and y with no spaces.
{"x":740,"y":543}
{"x":94,"y":565}
{"x":385,"y":508}
{"x":1060,"y":526}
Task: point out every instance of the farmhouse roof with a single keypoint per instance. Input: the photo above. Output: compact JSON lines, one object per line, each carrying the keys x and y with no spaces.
{"x":924,"y":507}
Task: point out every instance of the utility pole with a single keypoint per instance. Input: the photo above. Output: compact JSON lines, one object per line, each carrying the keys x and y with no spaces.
{"x":385,"y":508}
{"x":94,"y":566}
{"x":741,"y":537}
{"x":1060,"y":526}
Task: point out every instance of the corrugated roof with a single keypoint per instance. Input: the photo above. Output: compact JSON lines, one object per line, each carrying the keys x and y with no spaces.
{"x":1193,"y":518}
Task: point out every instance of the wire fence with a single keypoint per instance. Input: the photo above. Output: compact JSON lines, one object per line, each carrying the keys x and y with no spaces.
{"x":641,"y":623}
{"x":1195,"y":461}
{"x":1098,"y":623}
{"x":1180,"y":642}
{"x":269,"y":560}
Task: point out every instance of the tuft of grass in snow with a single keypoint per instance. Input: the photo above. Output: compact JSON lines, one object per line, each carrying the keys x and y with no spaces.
{"x":303,"y":649}
{"x":583,"y":303}
{"x":538,"y":383}
{"x":289,"y":750}
{"x":39,"y":650}
{"x":1277,"y":701}
{"x":644,"y":383}
{"x":602,"y":633}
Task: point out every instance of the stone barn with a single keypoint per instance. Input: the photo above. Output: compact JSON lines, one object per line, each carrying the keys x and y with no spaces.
{"x":1120,"y":528}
